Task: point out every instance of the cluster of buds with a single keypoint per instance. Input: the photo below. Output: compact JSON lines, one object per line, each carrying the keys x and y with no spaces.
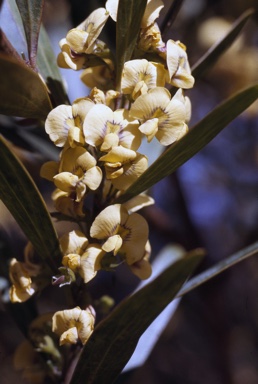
{"x":100,"y":135}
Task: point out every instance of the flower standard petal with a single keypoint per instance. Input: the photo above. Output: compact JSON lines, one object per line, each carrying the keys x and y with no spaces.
{"x":138,"y":202}
{"x":178,"y":66}
{"x":93,"y":25}
{"x":151,"y":13}
{"x":73,"y":242}
{"x":95,"y":124}
{"x":92,"y":178}
{"x":90,"y":262}
{"x":107,"y":222}
{"x":132,"y":170}
{"x":134,"y":242}
{"x":172,"y":125}
{"x":58,"y":123}
{"x":49,"y":170}
{"x":111,"y":7}
{"x":148,"y":105}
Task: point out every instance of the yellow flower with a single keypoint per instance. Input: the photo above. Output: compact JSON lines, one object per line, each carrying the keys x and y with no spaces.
{"x":80,"y":256}
{"x":150,"y":39}
{"x":82,"y":40}
{"x":123,"y":166}
{"x":178,"y":67}
{"x":123,"y":233}
{"x":73,"y":325}
{"x":90,"y":262}
{"x":64,"y":123}
{"x":73,"y":242}
{"x":69,"y":59}
{"x":22,"y":288}
{"x":138,"y":202}
{"x":77,"y":171}
{"x":161,"y":116}
{"x":141,"y":75}
{"x":65,"y":204}
{"x":151,"y":13}
{"x":106,"y":129}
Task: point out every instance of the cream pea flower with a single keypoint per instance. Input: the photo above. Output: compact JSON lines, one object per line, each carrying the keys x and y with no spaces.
{"x":73,"y":242}
{"x":77,"y":171}
{"x":123,"y":166}
{"x":64,"y":123}
{"x":105,"y":129}
{"x":141,"y":75}
{"x":81,"y":40}
{"x":90,"y":262}
{"x":80,"y":256}
{"x":161,"y":116}
{"x":65,"y":204}
{"x":123,"y":233}
{"x":73,"y":325}
{"x":69,"y":59}
{"x":151,"y":13}
{"x":150,"y":39}
{"x":179,"y":72}
{"x":22,"y":287}
{"x":138,"y":202}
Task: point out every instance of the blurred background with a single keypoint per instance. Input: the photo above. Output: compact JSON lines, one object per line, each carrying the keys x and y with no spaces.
{"x":211,"y":201}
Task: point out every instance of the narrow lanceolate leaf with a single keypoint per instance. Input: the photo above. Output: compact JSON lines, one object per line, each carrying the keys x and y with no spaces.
{"x":214,"y":53}
{"x":31,"y":14}
{"x":21,"y":196}
{"x":46,"y":62}
{"x":22,"y":92}
{"x":129,"y":16}
{"x":221,"y":266}
{"x":197,"y":138}
{"x":114,"y":339}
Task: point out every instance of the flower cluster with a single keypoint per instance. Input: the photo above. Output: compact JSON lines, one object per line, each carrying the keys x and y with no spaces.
{"x":99,"y":136}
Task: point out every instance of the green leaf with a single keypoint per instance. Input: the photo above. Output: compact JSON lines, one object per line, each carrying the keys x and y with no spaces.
{"x":22,"y":92}
{"x":214,"y":53}
{"x":21,"y":196}
{"x":129,"y":16}
{"x":114,"y":339}
{"x":31,"y":14}
{"x":216,"y":269}
{"x":197,"y":138}
{"x":46,"y":62}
